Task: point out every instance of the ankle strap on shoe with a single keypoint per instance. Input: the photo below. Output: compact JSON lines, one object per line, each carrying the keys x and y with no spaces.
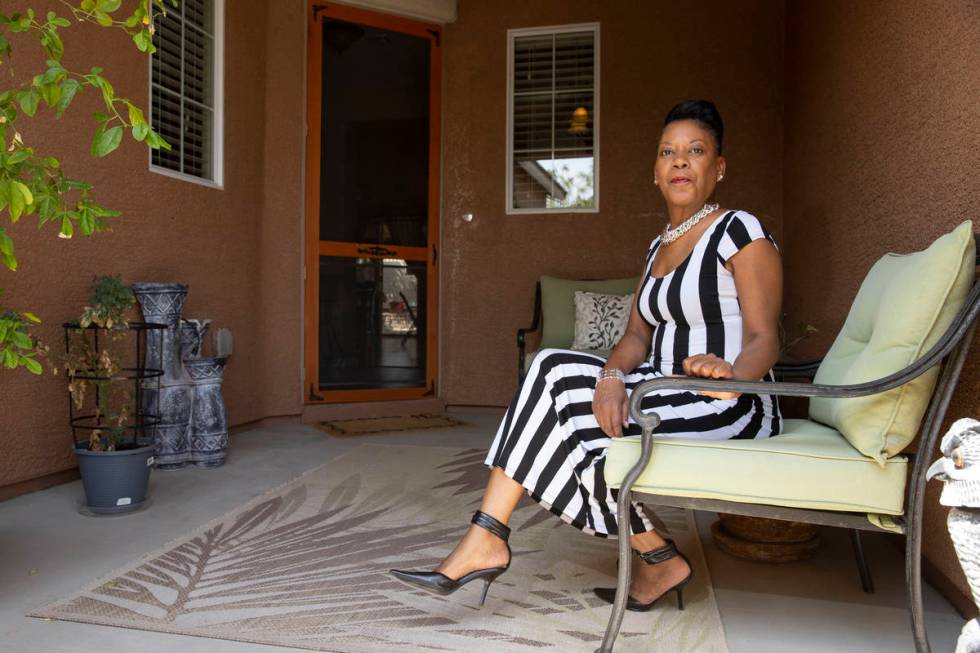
{"x":662,"y":554}
{"x":496,"y":527}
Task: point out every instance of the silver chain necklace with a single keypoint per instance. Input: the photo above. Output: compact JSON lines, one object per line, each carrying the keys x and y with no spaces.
{"x":670,"y":235}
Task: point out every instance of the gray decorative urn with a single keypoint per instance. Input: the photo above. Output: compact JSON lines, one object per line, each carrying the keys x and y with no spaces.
{"x":209,"y":424}
{"x":162,"y":303}
{"x":192,"y":335}
{"x":959,"y":470}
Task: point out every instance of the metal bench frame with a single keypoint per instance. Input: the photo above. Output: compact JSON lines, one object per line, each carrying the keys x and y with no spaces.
{"x":950,"y":351}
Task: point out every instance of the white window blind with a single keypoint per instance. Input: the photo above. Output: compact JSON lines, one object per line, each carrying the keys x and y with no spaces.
{"x":185,"y":89}
{"x":553,"y":119}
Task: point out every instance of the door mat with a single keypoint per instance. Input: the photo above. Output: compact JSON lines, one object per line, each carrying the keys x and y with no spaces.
{"x":305,"y":565}
{"x":366,"y":425}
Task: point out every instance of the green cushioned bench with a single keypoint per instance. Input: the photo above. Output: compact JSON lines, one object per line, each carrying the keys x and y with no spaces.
{"x":888,"y":376}
{"x":554,"y":314}
{"x":808,"y":466}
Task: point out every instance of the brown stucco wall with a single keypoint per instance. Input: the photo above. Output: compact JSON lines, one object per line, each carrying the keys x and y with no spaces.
{"x":882,"y":126}
{"x":652,"y":55}
{"x":171,"y":230}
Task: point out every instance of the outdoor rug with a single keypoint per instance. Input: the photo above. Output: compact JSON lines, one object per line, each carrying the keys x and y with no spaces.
{"x":365,"y":425}
{"x":304,"y":565}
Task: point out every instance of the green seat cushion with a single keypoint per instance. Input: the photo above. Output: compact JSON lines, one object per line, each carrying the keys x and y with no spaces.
{"x":529,"y":356}
{"x":809,"y":466}
{"x":558,"y":305}
{"x":903,"y":307}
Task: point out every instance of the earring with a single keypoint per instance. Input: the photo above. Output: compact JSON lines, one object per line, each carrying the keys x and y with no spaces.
{"x":654,"y":181}
{"x":720,"y":177}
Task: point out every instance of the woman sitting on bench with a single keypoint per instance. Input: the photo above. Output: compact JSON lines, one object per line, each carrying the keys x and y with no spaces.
{"x":707,"y":306}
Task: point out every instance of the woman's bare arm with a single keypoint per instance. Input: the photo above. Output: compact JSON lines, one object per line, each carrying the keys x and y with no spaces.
{"x":610,"y":405}
{"x":758,"y":275}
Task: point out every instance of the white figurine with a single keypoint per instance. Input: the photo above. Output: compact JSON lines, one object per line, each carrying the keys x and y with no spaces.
{"x":959,"y":469}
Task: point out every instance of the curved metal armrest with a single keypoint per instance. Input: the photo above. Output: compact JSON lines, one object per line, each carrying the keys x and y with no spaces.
{"x":961,"y":325}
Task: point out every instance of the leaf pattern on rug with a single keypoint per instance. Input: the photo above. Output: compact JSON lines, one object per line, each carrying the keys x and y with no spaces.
{"x":306,"y":566}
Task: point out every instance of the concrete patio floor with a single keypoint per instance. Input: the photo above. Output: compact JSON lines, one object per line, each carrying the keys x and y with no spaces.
{"x":47,"y":550}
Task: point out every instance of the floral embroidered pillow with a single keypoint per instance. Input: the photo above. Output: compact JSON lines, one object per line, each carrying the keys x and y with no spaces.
{"x":600,"y":320}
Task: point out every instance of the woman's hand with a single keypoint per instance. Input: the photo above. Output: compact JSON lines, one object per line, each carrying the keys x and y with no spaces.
{"x":709,"y":366}
{"x":610,"y":405}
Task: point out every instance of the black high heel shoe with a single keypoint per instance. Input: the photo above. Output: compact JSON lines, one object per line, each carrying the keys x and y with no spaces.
{"x":653,"y":557}
{"x":439,"y":583}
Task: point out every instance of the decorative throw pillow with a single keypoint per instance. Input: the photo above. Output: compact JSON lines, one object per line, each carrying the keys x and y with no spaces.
{"x":600,"y":320}
{"x":903,"y":307}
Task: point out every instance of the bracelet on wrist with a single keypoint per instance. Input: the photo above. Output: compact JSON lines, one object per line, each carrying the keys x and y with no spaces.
{"x":613,"y":373}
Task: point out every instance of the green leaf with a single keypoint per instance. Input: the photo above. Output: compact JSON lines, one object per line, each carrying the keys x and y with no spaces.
{"x":102,"y":18}
{"x":24,"y":191}
{"x":31,"y":365}
{"x":109,"y":6}
{"x":85,"y":222}
{"x":28,"y":101}
{"x":16,"y":204}
{"x":9,"y":359}
{"x":106,"y":141}
{"x":135,"y":114}
{"x":9,"y":261}
{"x":52,"y":43}
{"x":67,"y":230}
{"x":69,"y":88}
{"x":143,"y":40}
{"x":21,"y":340}
{"x":30,"y":316}
{"x":17,"y":156}
{"x":140,"y":131}
{"x":6,"y":244}
{"x":51,"y":94}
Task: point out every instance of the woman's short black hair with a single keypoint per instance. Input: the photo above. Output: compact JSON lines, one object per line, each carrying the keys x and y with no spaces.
{"x":704,"y":112}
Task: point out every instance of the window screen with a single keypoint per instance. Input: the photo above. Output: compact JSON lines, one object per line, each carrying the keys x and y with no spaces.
{"x":183,"y":89}
{"x":553,"y":121}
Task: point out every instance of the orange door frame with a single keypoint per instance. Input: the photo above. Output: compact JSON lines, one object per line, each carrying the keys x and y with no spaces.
{"x":314,"y":248}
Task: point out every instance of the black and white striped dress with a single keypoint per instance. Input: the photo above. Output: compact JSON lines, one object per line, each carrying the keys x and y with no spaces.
{"x":550,"y":442}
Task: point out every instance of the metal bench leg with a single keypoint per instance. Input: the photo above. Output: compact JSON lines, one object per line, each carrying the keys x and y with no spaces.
{"x":623,"y":577}
{"x":867,"y":584}
{"x":623,"y":523}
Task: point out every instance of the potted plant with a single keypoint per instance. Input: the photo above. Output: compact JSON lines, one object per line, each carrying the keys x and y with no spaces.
{"x":104,"y":363}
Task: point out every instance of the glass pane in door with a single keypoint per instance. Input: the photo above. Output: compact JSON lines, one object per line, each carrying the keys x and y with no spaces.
{"x":372,"y":323}
{"x":375,"y":136}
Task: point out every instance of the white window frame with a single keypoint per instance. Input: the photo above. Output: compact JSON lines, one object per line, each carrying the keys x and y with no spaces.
{"x":512,"y":34}
{"x":218,"y":93}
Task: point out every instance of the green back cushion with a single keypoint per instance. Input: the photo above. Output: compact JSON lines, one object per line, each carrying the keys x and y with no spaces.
{"x":558,"y":305}
{"x":904,"y":306}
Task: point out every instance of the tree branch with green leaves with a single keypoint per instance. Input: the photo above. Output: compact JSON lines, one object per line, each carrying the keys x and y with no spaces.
{"x":33,"y":183}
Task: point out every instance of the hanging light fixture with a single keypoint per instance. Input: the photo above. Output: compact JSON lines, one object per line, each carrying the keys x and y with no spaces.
{"x":580,"y":121}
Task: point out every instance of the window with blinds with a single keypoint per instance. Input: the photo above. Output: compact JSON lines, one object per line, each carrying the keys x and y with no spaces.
{"x":185,"y":89}
{"x":552,"y":120}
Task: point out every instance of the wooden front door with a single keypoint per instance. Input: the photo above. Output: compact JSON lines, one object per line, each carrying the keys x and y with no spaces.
{"x":372,"y":205}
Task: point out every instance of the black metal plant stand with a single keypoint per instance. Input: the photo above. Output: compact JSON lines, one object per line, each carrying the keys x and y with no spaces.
{"x":115,"y":481}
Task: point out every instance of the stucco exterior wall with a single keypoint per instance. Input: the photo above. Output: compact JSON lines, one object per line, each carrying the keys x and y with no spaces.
{"x":171,"y":230}
{"x":882,"y":123}
{"x":652,"y":56}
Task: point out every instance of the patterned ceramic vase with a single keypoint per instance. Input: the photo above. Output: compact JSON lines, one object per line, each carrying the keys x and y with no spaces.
{"x":162,"y":303}
{"x":192,"y":335}
{"x":209,"y":424}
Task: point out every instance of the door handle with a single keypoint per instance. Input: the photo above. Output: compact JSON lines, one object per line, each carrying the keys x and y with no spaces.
{"x":374,"y":250}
